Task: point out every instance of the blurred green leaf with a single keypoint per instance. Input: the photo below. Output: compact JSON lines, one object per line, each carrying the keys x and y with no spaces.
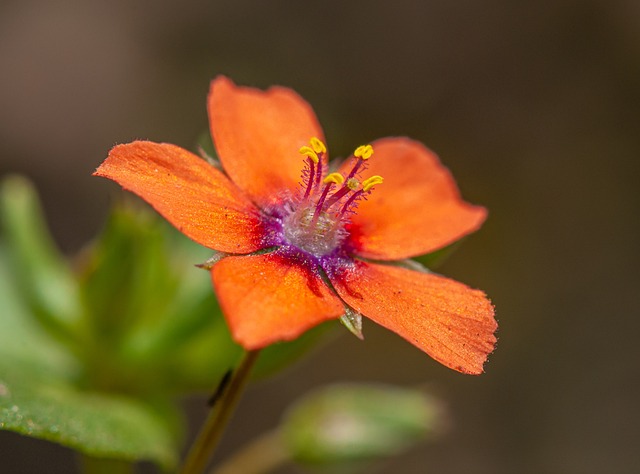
{"x":148,"y":308}
{"x":207,"y":149}
{"x":192,"y":314}
{"x":126,"y":280}
{"x":34,"y":403}
{"x":346,"y":426}
{"x":23,"y":336}
{"x":38,"y":396}
{"x":199,"y":364}
{"x":40,"y":271}
{"x":434,"y":259}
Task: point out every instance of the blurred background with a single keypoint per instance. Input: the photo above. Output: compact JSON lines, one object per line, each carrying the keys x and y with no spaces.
{"x":534,"y":106}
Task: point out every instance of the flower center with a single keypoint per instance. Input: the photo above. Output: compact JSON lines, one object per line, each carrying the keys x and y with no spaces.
{"x":316,"y":221}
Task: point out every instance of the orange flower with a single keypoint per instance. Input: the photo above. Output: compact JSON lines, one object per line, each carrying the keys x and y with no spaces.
{"x":302,"y":246}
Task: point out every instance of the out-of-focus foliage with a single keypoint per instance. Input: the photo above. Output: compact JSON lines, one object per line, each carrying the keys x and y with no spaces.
{"x":92,"y":354}
{"x":344,"y":428}
{"x":49,"y":406}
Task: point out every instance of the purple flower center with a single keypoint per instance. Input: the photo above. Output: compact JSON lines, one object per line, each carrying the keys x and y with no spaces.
{"x":315,"y":220}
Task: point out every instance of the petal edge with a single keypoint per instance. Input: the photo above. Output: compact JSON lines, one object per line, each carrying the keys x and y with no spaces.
{"x":192,"y":195}
{"x":257,"y":135}
{"x":451,"y":322}
{"x":418,"y":208}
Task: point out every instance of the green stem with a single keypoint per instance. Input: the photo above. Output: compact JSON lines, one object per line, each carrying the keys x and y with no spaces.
{"x":261,"y":456}
{"x":208,"y":438}
{"x":91,"y":465}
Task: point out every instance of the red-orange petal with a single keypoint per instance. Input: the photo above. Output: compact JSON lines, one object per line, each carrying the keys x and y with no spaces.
{"x":270,"y":298}
{"x":257,"y":135}
{"x":418,"y":208}
{"x":451,"y":322}
{"x":191,"y":194}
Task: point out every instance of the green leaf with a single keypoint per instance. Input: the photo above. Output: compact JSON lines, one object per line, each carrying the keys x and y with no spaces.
{"x":152,"y":311}
{"x":126,"y":279}
{"x":98,"y":424}
{"x":21,"y":335}
{"x":206,"y":149}
{"x":434,"y":259}
{"x":39,"y":397}
{"x":200,"y":363}
{"x":41,"y":273}
{"x":346,"y":426}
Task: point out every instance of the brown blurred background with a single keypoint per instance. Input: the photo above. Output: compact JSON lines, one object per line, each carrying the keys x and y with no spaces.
{"x":535,"y":107}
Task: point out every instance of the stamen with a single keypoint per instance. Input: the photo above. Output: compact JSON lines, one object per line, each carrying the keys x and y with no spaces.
{"x":308,"y":151}
{"x":319,"y":172}
{"x":336,"y":178}
{"x":369,"y":183}
{"x":351,"y":185}
{"x":364,"y":152}
{"x":333,"y":178}
{"x":313,"y":225}
{"x":319,"y":149}
{"x":317,"y":145}
{"x":310,"y":177}
{"x":350,"y":202}
{"x":315,"y":154}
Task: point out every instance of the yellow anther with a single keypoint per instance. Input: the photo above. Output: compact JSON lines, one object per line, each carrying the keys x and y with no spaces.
{"x":353,"y":184}
{"x":308,"y":151}
{"x":317,"y":145}
{"x":336,"y":178}
{"x":369,"y":183}
{"x":364,"y":152}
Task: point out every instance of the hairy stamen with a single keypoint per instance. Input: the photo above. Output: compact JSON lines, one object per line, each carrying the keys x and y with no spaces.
{"x":310,"y":225}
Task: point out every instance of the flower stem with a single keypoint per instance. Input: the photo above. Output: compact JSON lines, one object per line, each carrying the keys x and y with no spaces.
{"x":208,"y":438}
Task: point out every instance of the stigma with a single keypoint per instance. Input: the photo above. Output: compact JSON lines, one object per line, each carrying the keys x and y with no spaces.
{"x":316,"y":220}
